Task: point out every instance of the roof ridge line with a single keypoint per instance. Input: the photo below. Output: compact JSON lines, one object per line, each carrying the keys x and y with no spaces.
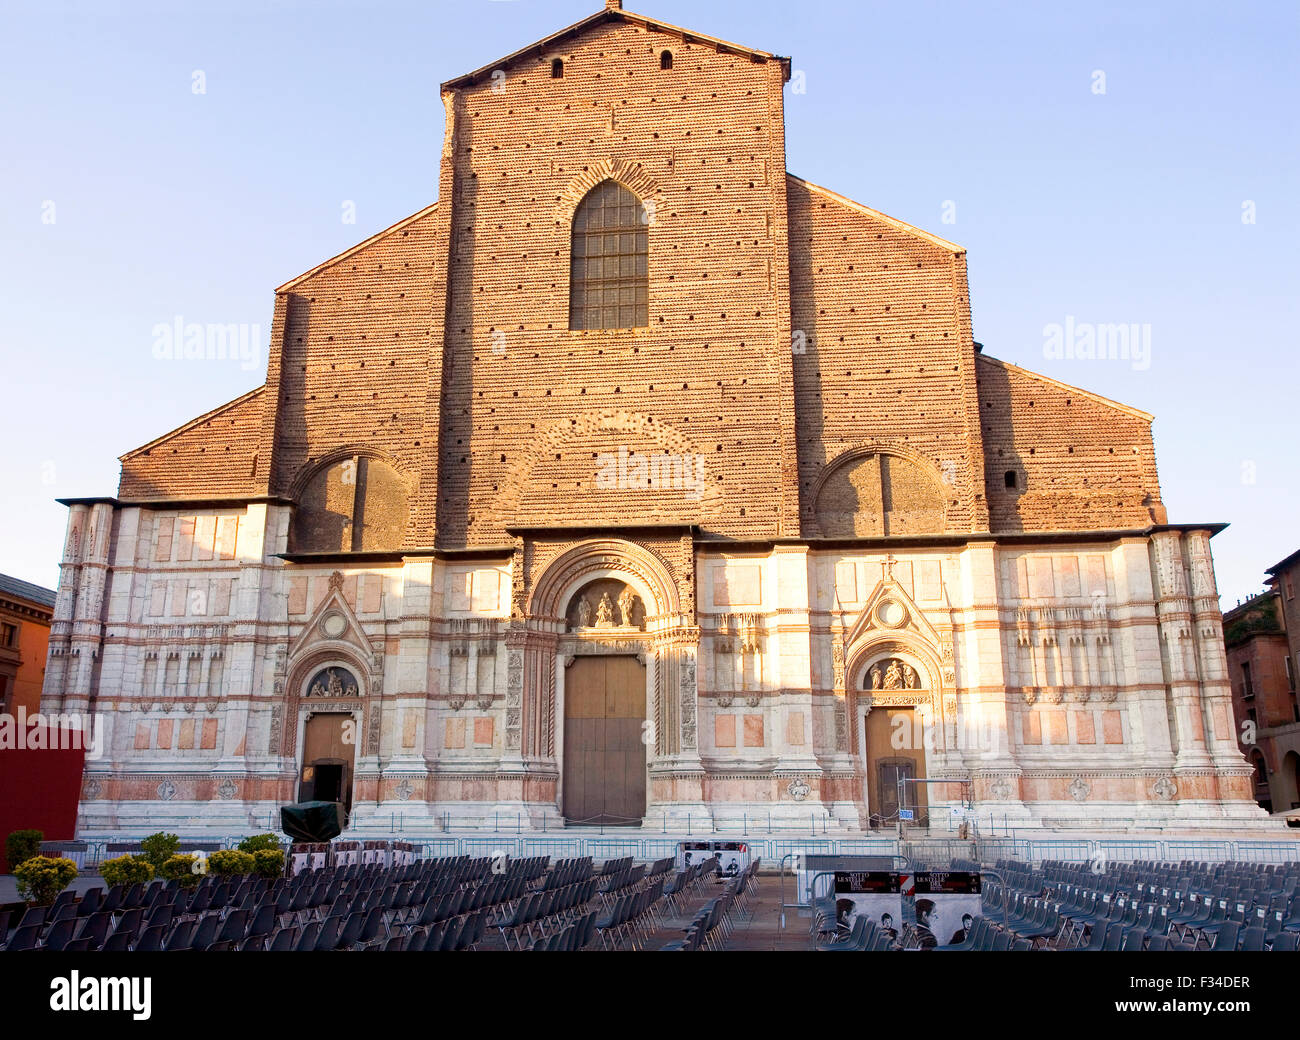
{"x":354,"y":248}
{"x":193,"y":422}
{"x":1148,"y":416}
{"x":894,"y":222}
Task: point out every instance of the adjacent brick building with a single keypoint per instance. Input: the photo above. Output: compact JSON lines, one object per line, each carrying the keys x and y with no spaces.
{"x":637,"y":478}
{"x":25,"y":614}
{"x":1263,"y":641}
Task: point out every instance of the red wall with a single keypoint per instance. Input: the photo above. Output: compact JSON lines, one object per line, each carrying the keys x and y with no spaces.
{"x":39,"y":789}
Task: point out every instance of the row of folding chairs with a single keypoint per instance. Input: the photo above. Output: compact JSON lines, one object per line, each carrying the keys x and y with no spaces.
{"x":544,"y":910}
{"x":713,"y":923}
{"x":571,"y":937}
{"x":631,"y":917}
{"x":688,"y":881}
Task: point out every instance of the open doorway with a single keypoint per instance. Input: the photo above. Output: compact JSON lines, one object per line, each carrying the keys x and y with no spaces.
{"x":327,"y":759}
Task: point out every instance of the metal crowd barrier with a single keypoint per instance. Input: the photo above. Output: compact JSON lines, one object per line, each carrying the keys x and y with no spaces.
{"x":93,"y":850}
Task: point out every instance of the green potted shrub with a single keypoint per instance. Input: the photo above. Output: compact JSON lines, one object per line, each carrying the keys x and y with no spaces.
{"x":269,"y":863}
{"x":159,"y":848}
{"x":230,"y":862}
{"x":188,"y":869}
{"x":126,"y":870}
{"x":258,"y":842}
{"x":22,"y":845}
{"x":41,"y":878}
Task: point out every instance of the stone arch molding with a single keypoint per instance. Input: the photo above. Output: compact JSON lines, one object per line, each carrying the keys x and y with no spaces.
{"x":622,"y":171}
{"x":639,"y":429}
{"x":865,"y":450}
{"x":304,"y":474}
{"x":645,"y":571}
{"x":332,"y":636}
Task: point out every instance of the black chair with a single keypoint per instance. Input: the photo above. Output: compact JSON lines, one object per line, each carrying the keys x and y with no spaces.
{"x":152,"y":940}
{"x":284,"y":940}
{"x":90,"y":902}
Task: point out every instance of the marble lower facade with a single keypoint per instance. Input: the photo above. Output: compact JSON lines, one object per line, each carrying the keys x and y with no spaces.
{"x":1027,"y":681}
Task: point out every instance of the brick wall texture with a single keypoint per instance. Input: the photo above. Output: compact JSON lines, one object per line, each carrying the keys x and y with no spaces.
{"x":808,"y":368}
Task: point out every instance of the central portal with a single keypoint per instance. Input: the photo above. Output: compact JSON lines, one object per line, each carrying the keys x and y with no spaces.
{"x":604,"y":745}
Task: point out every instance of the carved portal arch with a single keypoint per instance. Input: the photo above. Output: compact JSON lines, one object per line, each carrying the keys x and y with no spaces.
{"x":648,"y":575}
{"x":895,"y":670}
{"x":351,"y":694}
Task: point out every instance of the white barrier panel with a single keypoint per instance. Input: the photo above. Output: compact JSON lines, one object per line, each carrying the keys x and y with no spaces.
{"x":941,"y":904}
{"x":733,"y":856}
{"x":874,"y":894}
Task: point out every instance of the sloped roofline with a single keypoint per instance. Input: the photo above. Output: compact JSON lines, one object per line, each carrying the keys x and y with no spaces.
{"x":356,"y":248}
{"x":614,"y":15}
{"x":1128,"y":409}
{"x":894,"y":222}
{"x":193,"y":423}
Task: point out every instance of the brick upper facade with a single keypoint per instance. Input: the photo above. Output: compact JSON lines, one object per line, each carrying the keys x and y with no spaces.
{"x":815,"y":355}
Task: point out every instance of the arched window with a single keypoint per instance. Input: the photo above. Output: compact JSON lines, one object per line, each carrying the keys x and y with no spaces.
{"x":557,"y":68}
{"x":666,"y":60}
{"x":607,"y":268}
{"x":357,"y":504}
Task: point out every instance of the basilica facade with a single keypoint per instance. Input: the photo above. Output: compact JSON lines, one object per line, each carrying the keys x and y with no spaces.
{"x":638,"y":481}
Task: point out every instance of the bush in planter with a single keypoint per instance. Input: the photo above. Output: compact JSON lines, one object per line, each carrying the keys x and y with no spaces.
{"x":228,"y":862}
{"x":188,"y":869}
{"x":259,"y":841}
{"x":41,"y":878}
{"x":158,"y":848}
{"x":269,"y":863}
{"x":126,"y":870}
{"x":22,"y":845}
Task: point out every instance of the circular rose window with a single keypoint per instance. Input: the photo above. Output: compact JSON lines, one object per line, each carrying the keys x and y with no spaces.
{"x":891,"y":613}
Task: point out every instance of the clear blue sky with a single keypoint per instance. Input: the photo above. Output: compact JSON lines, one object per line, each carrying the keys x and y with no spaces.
{"x":1122,"y":207}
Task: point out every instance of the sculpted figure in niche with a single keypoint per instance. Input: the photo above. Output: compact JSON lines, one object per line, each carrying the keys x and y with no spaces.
{"x":894,"y":675}
{"x":605,"y":612}
{"x":584,"y":613}
{"x":875,"y":676}
{"x":329,"y":684}
{"x":626,"y":600}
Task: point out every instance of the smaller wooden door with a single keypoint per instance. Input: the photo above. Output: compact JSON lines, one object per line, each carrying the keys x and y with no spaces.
{"x":604,"y":749}
{"x":895,"y":751}
{"x":327,"y":759}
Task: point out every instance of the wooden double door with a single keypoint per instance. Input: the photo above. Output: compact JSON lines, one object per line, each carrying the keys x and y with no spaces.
{"x":895,"y":752}
{"x":604,"y":741}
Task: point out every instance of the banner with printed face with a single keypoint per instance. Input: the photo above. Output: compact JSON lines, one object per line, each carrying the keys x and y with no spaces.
{"x":942,"y":904}
{"x":873,"y":894}
{"x":733,"y":856}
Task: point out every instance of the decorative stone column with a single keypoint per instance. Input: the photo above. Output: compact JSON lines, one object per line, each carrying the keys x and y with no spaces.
{"x":1178,"y":655}
{"x":978,"y":663}
{"x":1233,"y":773}
{"x":676,"y":799}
